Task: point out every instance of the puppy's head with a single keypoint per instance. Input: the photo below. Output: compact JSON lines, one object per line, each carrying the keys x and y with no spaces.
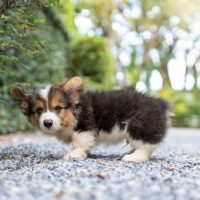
{"x":51,"y":108}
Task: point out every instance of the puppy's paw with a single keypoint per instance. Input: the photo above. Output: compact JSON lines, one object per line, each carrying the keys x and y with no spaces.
{"x":135,"y":158}
{"x":75,"y":154}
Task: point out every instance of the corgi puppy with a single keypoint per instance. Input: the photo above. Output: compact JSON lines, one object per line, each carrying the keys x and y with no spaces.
{"x":88,"y":118}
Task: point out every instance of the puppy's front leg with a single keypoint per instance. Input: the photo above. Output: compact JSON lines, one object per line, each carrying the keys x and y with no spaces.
{"x":82,"y":142}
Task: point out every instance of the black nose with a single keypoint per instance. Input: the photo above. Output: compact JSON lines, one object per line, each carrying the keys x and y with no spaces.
{"x":48,"y":123}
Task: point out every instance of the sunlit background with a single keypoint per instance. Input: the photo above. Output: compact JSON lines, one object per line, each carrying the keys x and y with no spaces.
{"x":129,"y":36}
{"x":153,"y":45}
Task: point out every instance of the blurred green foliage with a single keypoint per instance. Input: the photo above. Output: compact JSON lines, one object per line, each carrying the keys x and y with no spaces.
{"x":185,"y":107}
{"x":91,"y":58}
{"x":28,"y":58}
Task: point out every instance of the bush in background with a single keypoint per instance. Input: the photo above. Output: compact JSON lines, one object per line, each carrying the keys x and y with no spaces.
{"x":91,"y":59}
{"x":185,"y":106}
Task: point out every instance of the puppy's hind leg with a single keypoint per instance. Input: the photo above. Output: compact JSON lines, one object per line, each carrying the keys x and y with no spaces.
{"x":82,"y":143}
{"x":142,"y":152}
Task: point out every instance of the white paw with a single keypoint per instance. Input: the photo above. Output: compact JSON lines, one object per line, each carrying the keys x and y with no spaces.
{"x":135,"y":158}
{"x":75,"y":154}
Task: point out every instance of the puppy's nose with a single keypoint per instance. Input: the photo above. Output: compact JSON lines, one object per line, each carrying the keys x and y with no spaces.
{"x":48,"y":123}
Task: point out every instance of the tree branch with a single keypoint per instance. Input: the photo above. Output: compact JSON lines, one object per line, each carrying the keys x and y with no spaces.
{"x":23,"y":5}
{"x":5,"y":6}
{"x":12,"y":4}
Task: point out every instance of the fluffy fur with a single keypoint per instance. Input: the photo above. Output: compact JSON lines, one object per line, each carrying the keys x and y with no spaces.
{"x":95,"y":117}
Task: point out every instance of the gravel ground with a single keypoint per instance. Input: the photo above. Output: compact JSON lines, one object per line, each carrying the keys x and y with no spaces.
{"x":31,"y":167}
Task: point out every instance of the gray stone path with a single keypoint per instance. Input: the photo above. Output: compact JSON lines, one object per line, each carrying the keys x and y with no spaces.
{"x":31,"y":167}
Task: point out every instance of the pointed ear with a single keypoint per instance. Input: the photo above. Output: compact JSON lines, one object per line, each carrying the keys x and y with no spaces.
{"x":75,"y":87}
{"x":18,"y":95}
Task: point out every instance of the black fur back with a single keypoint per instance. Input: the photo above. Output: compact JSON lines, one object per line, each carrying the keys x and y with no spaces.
{"x":144,"y":116}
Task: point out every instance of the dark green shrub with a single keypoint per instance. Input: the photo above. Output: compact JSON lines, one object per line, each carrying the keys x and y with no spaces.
{"x":91,"y":58}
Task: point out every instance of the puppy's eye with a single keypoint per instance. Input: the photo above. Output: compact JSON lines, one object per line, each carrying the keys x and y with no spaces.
{"x":39,"y":110}
{"x":58,"y":108}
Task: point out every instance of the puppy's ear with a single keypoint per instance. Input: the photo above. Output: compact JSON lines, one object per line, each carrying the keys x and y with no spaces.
{"x":75,"y":88}
{"x":17,"y":94}
{"x":23,"y":100}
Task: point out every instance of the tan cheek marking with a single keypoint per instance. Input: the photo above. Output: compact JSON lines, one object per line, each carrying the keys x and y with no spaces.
{"x":34,"y":119}
{"x":67,"y":118}
{"x":55,"y":98}
{"x":40,"y":103}
{"x":54,"y":102}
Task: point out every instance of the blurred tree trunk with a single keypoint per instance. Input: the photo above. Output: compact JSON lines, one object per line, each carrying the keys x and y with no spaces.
{"x":164,"y":70}
{"x":55,"y":22}
{"x":114,"y":41}
{"x":195,"y":74}
{"x":186,"y":70}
